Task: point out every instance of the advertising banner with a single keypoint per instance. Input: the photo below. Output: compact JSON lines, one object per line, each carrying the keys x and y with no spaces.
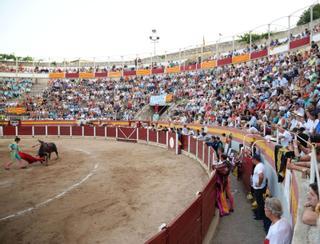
{"x":161,"y":100}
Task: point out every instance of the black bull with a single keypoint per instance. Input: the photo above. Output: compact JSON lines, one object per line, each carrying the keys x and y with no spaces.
{"x":46,"y":149}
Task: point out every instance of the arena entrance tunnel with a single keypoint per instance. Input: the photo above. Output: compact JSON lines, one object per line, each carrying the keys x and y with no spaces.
{"x":197,"y":222}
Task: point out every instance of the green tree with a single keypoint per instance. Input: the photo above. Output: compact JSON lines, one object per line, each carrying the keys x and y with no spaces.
{"x":4,"y":56}
{"x":245,"y":38}
{"x":27,"y":59}
{"x":305,"y":16}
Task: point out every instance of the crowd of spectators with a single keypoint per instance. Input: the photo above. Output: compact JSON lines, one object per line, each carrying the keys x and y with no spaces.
{"x":282,"y":89}
{"x":93,"y":99}
{"x":13,"y":88}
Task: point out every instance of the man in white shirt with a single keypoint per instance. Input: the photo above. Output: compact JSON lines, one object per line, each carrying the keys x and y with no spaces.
{"x":280,"y":231}
{"x":282,"y":80}
{"x":185,"y":130}
{"x":311,"y":123}
{"x":275,"y":83}
{"x":294,"y":123}
{"x":298,"y":109}
{"x":284,"y":137}
{"x":259,"y":185}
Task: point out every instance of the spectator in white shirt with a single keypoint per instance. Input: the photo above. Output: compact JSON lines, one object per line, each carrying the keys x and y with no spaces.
{"x":280,"y":231}
{"x":298,"y":109}
{"x":284,"y":136}
{"x":259,"y":184}
{"x":311,"y":123}
{"x":294,"y":123}
{"x":282,"y":81}
{"x":185,"y":130}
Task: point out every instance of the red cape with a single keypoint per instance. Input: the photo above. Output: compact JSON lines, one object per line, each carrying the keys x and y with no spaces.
{"x":30,"y":159}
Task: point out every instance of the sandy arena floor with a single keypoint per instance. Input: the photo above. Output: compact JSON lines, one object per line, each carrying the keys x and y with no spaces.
{"x":97,"y":192}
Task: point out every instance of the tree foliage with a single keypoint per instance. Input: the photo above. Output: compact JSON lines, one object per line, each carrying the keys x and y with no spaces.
{"x":305,"y":16}
{"x":245,"y":38}
{"x":12,"y":57}
{"x":27,"y":59}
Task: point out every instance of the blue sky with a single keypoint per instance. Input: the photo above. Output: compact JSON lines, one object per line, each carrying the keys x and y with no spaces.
{"x":95,"y":28}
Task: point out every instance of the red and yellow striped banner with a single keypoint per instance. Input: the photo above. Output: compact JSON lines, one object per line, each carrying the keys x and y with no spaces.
{"x":48,"y":122}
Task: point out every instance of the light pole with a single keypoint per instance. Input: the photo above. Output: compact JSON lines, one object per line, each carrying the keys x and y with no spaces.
{"x":250,"y":37}
{"x":154,"y":38}
{"x":217,"y":46}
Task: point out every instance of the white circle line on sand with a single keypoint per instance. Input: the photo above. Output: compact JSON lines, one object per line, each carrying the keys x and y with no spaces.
{"x":70,"y":188}
{"x":81,"y":150}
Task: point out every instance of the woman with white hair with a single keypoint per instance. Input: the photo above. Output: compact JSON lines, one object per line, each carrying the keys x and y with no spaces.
{"x":280,"y":231}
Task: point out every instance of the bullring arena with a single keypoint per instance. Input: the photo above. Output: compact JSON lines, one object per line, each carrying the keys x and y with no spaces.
{"x":213,"y":143}
{"x":101,"y":192}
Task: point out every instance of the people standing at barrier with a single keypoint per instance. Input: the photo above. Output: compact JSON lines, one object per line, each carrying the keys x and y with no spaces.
{"x":227,"y":144}
{"x":218,"y":147}
{"x":212,"y":142}
{"x":259,"y":185}
{"x":196,"y":134}
{"x":219,"y":153}
{"x":280,"y":231}
{"x":14,"y":155}
{"x":185,"y":130}
{"x":301,"y":157}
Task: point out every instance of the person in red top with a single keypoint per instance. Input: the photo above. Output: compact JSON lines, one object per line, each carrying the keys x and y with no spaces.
{"x":138,"y":124}
{"x":261,"y":105}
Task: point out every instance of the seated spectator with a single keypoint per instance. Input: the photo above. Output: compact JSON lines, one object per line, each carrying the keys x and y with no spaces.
{"x":315,"y":137}
{"x":284,"y":137}
{"x":280,"y":231}
{"x":310,"y":216}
